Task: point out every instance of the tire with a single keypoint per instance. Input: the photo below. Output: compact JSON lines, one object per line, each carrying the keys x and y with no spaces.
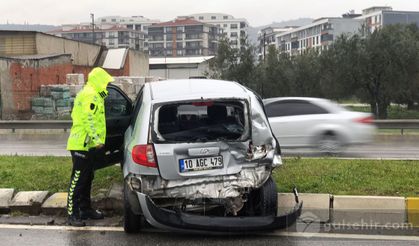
{"x":264,"y":201}
{"x":329,"y":143}
{"x":132,"y":222}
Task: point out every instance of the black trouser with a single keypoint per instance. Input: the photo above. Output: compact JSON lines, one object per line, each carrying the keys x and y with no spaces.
{"x":80,"y":182}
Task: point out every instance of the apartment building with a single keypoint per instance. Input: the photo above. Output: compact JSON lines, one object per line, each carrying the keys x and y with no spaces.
{"x":377,"y":17}
{"x":235,"y":29}
{"x":322,"y":32}
{"x":182,"y":37}
{"x":139,"y":23}
{"x":268,"y":36}
{"x":317,"y":35}
{"x":110,"y":31}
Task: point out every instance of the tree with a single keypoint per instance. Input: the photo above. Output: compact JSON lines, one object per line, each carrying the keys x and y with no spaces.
{"x":234,"y":64}
{"x":378,"y":69}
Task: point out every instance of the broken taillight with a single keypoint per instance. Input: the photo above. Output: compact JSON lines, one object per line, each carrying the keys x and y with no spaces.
{"x":365,"y":120}
{"x":144,"y":155}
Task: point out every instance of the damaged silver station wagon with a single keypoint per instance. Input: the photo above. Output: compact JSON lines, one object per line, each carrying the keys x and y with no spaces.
{"x":196,"y":155}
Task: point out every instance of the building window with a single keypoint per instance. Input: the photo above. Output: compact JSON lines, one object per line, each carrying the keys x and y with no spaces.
{"x":193,"y":36}
{"x":169,"y":29}
{"x":225,"y":17}
{"x":103,"y":20}
{"x":225,"y":25}
{"x":201,"y":17}
{"x":213,"y":17}
{"x":113,"y":20}
{"x":179,"y":29}
{"x":233,"y":26}
{"x":233,"y":34}
{"x":179,"y":45}
{"x":179,"y":36}
{"x":179,"y":52}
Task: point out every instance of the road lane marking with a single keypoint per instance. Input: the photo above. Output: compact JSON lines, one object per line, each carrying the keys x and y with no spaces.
{"x":344,"y":236}
{"x":278,"y":233}
{"x":62,"y":228}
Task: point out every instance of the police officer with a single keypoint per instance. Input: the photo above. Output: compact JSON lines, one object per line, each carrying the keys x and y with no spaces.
{"x":86,"y":144}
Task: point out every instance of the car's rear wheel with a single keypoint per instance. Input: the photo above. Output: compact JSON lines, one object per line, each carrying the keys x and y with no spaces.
{"x":263,"y":201}
{"x":132,"y":221}
{"x":330,"y":143}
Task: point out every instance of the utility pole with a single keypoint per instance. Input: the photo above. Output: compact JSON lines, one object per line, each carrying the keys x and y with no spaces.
{"x":93,"y":28}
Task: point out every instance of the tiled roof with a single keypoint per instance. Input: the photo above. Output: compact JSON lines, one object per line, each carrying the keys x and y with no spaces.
{"x":114,"y":28}
{"x":178,"y":22}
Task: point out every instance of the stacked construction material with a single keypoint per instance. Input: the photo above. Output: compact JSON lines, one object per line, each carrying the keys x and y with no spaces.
{"x":75,"y":79}
{"x":54,"y":102}
{"x":132,"y":85}
{"x":43,"y":106}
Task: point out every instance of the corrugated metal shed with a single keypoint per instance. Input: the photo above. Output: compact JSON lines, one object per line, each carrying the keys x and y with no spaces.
{"x":17,"y":43}
{"x":115,"y":58}
{"x":179,"y":60}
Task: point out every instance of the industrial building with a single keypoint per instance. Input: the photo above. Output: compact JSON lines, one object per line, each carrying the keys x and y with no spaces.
{"x":30,"y":59}
{"x":180,"y":67}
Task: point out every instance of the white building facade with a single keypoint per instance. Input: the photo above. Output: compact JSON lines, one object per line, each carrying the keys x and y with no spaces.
{"x":183,"y":37}
{"x":110,"y":31}
{"x":235,"y":29}
{"x":318,"y":35}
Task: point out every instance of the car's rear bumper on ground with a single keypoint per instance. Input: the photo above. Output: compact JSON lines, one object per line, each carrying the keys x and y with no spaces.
{"x":169,"y":219}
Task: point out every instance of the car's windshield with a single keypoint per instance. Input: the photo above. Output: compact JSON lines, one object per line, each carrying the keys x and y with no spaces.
{"x":201,"y":122}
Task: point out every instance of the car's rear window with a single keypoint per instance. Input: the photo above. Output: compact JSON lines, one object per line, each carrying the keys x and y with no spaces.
{"x":201,"y":121}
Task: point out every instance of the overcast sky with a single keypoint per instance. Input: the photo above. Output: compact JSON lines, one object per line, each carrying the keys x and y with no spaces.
{"x":257,"y":12}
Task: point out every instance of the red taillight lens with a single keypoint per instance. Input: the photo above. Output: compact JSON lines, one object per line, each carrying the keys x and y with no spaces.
{"x":144,"y":155}
{"x":365,"y":120}
{"x":208,"y":103}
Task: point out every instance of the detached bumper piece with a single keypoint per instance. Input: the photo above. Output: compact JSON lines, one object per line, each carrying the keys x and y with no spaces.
{"x":171,"y":220}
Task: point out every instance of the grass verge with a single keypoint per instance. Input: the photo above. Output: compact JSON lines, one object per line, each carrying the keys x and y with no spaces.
{"x":323,"y":175}
{"x":349,"y":177}
{"x":48,"y":173}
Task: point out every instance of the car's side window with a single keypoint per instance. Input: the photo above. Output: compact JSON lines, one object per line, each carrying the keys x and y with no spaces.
{"x":309,"y":108}
{"x":293,"y":107}
{"x":116,"y":104}
{"x":138,"y":103}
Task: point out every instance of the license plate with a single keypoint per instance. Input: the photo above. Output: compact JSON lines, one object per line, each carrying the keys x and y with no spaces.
{"x":199,"y":164}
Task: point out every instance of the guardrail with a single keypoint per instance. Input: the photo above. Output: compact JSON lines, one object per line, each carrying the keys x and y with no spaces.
{"x":66,"y":124}
{"x":397,"y":124}
{"x":35,"y":124}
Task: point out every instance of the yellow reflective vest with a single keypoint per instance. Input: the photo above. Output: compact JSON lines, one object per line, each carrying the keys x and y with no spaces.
{"x":88,"y":114}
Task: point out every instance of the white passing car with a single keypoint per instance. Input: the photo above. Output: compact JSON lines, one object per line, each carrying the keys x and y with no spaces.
{"x":315,"y":122}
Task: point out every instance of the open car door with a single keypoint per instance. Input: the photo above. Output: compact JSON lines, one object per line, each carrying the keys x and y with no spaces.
{"x":118,"y":108}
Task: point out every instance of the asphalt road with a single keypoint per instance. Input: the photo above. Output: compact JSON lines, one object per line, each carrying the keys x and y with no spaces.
{"x":378,"y":149}
{"x":58,"y":235}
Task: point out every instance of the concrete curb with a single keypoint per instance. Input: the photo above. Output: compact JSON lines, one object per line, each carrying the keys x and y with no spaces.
{"x":28,"y":202}
{"x":358,"y":210}
{"x":319,"y":208}
{"x":6,"y":196}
